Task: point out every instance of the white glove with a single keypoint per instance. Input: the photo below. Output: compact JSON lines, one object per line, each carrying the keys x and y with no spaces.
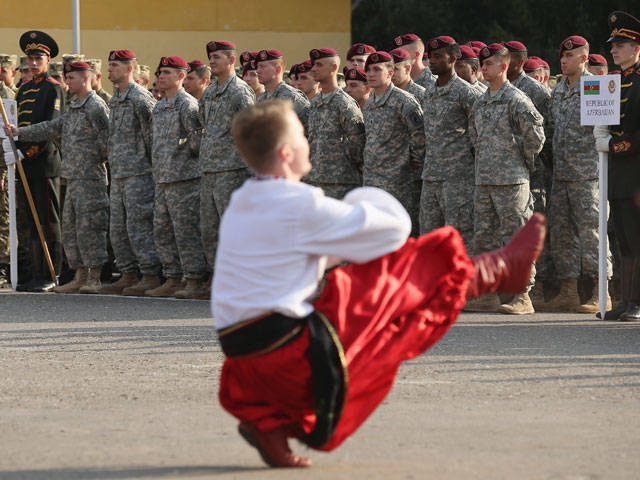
{"x":602,"y":136}
{"x":9,"y":157}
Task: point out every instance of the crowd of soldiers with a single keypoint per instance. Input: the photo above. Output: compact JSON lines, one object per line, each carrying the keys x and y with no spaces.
{"x":471,"y":135}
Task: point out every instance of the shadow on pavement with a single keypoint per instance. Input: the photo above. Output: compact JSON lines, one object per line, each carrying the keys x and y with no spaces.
{"x":117,"y":473}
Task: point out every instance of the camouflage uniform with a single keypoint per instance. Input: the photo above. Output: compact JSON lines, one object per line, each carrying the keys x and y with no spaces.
{"x":394,"y":142}
{"x":481,"y":87}
{"x":104,"y":95}
{"x":507,"y":133}
{"x":573,"y":209}
{"x":82,"y":132}
{"x":132,"y":186}
{"x":336,"y":142}
{"x":5,"y":92}
{"x":176,"y":171}
{"x":448,"y":174}
{"x":223,"y":170}
{"x":416,"y":90}
{"x":299,"y":99}
{"x":426,"y":78}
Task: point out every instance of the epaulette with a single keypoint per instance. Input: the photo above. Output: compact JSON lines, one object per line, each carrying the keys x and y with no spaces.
{"x":614,"y":72}
{"x":53,"y":80}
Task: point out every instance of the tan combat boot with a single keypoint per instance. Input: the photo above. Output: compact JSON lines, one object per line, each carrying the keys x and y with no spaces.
{"x":486,"y":303}
{"x":74,"y":285}
{"x":520,"y":305}
{"x":147,"y":282}
{"x":195,"y":289}
{"x":93,"y":283}
{"x":167,"y":289}
{"x":537,"y":294}
{"x":126,"y":280}
{"x":567,"y":300}
{"x":592,"y":305}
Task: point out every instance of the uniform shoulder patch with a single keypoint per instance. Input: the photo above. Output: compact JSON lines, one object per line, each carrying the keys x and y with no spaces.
{"x":56,"y":104}
{"x":53,"y":81}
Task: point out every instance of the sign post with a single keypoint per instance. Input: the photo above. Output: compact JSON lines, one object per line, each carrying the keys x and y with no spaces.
{"x":600,"y":105}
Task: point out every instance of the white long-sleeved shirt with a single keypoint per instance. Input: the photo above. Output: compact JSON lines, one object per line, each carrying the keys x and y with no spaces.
{"x":277,"y":237}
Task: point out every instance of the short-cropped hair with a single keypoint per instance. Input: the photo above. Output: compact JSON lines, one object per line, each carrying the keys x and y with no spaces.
{"x":259,"y":131}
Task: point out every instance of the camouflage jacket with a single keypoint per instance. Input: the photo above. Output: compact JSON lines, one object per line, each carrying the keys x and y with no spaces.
{"x":336,"y":139}
{"x":82,"y":133}
{"x":536,"y":91}
{"x":416,"y":90}
{"x":394,"y":137}
{"x":478,"y":85}
{"x":299,"y":99}
{"x":130,"y":131}
{"x":574,"y":152}
{"x":104,"y":95}
{"x":448,"y":150}
{"x":5,"y":92}
{"x":176,"y":139}
{"x":426,"y":78}
{"x":507,"y":133}
{"x":218,"y":105}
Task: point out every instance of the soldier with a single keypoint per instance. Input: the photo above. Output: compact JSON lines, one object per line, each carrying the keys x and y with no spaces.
{"x":507,"y":133}
{"x":357,"y":55}
{"x":292,"y":76}
{"x":82,"y":132}
{"x":545,"y":71}
{"x":468,"y":66}
{"x":597,"y":64}
{"x":68,"y":58}
{"x":250,"y":76}
{"x":142,"y":76}
{"x":336,"y":130}
{"x":476,"y":46}
{"x":8,"y":70}
{"x":533,"y":69}
{"x":5,"y":92}
{"x":132,"y":189}
{"x":96,"y":82}
{"x":624,"y":162}
{"x":39,"y":100}
{"x":25,"y":71}
{"x":448,"y":174}
{"x":270,"y":65}
{"x":56,"y":71}
{"x":357,"y":86}
{"x":394,"y":129}
{"x":402,"y":74}
{"x":573,"y":206}
{"x":246,"y":57}
{"x":198,"y":79}
{"x":176,"y":171}
{"x":223,"y":171}
{"x":420,"y":73}
{"x":306,"y":82}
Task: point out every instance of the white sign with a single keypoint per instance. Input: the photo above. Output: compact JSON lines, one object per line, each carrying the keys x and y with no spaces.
{"x":11,"y":107}
{"x":600,"y":100}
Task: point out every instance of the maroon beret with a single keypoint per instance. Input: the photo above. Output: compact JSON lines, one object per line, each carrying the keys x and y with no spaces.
{"x":377,"y":57}
{"x":250,"y":65}
{"x":304,"y":67}
{"x":173,"y":62}
{"x":467,"y":53}
{"x":477,"y":50}
{"x":400,"y":55}
{"x":531,"y":65}
{"x":76,"y":67}
{"x":476,"y":44}
{"x":194,"y":65}
{"x":491,"y":50}
{"x":540,"y":61}
{"x":439,"y":42}
{"x":596,"y":60}
{"x":359,"y":49}
{"x":121,"y":55}
{"x":246,"y":57}
{"x":515,"y":46}
{"x":318,"y":53}
{"x":264,"y":55}
{"x":223,"y":45}
{"x":355,"y":74}
{"x":572,"y":43}
{"x":405,"y":39}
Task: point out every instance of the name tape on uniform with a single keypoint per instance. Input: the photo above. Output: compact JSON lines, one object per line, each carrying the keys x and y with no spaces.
{"x":11,"y":108}
{"x":600,"y":100}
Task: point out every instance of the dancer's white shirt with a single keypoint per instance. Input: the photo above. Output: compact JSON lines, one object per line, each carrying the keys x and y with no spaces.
{"x":277,"y":237}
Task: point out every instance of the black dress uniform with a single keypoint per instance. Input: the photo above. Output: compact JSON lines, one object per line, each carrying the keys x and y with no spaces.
{"x":624,"y":170}
{"x":39,"y":100}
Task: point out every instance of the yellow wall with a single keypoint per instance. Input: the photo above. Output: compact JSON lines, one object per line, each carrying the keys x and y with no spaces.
{"x":154,"y":28}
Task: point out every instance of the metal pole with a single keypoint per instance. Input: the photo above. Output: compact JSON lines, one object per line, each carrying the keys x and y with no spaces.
{"x":75,"y":8}
{"x":602,"y":232}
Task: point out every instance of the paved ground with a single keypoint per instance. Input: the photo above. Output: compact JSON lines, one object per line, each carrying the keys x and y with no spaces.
{"x":111,"y":388}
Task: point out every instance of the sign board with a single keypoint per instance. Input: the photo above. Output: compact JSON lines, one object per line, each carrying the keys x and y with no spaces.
{"x":600,"y":99}
{"x":10,"y":106}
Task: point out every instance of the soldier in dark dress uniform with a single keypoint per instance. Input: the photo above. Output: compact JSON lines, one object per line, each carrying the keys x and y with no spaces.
{"x":38,"y":100}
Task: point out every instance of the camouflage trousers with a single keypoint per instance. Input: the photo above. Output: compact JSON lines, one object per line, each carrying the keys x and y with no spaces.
{"x":4,"y":219}
{"x":215,"y":193}
{"x":131,"y":224}
{"x":334,"y":190}
{"x":407,"y":193}
{"x":541,"y":190}
{"x":176,"y":229}
{"x":448,"y":203}
{"x":85,"y":220}
{"x":573,"y":228}
{"x":500,"y":210}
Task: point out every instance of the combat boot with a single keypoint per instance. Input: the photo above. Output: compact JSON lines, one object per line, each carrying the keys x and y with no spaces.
{"x":632,"y":313}
{"x":126,"y":280}
{"x":195,"y":289}
{"x":537,"y":293}
{"x":74,"y":285}
{"x":520,"y":305}
{"x":567,"y":300}
{"x":626,"y":278}
{"x":93,"y":283}
{"x":592,"y":305}
{"x":147,"y":282}
{"x":167,"y":289}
